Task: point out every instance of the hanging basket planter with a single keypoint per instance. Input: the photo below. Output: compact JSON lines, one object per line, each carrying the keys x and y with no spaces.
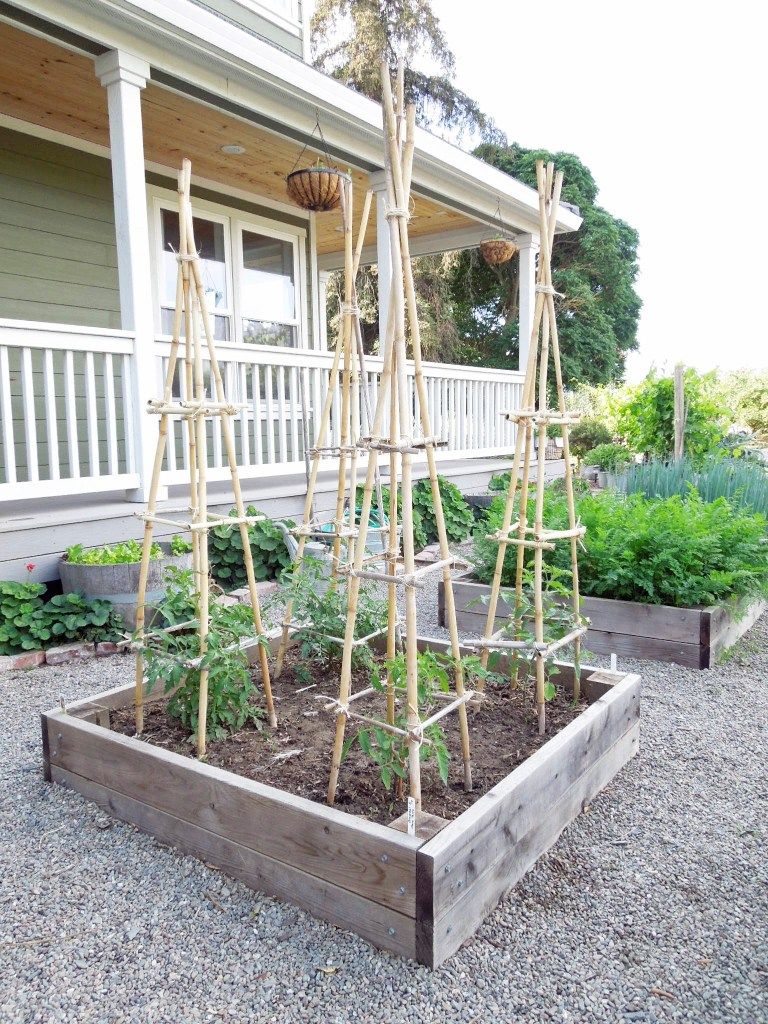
{"x":497,"y":250}
{"x":316,"y":188}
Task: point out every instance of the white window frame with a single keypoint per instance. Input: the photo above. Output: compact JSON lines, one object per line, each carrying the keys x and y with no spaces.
{"x":234,"y":221}
{"x":258,"y":226}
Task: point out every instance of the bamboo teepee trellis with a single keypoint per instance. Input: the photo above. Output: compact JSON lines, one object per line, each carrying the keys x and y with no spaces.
{"x":400,"y":444}
{"x":353,"y":395}
{"x":195,"y":409}
{"x":534,"y":413}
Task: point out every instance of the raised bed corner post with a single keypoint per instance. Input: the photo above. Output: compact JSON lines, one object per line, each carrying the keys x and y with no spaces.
{"x":400,"y":445}
{"x":194,"y":409}
{"x":535,"y":414}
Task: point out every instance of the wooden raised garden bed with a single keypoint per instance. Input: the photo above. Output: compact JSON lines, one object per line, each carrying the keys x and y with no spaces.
{"x":686,"y":636}
{"x":419,"y":896}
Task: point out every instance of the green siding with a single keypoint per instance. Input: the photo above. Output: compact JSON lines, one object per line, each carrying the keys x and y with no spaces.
{"x":238,"y":14}
{"x":57,"y":235}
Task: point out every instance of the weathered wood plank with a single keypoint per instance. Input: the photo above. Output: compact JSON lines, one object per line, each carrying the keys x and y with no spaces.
{"x":372,"y":860}
{"x":464,"y":849}
{"x":726,"y":625}
{"x":464,"y":917}
{"x":633,"y":618}
{"x":626,"y":646}
{"x":380,"y":925}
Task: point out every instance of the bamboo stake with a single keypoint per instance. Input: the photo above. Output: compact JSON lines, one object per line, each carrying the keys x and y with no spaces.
{"x":157,"y":466}
{"x":402,"y":198}
{"x":532,"y":414}
{"x":320,"y":437}
{"x":346,"y":213}
{"x":229,"y":445}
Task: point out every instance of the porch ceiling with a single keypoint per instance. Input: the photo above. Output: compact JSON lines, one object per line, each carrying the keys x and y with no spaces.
{"x":48,"y":85}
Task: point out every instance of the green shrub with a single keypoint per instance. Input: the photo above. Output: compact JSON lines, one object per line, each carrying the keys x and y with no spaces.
{"x":647,"y":418}
{"x":611,"y":458}
{"x":457,"y":513}
{"x":680,"y":551}
{"x":586,"y":435}
{"x":28,"y":623}
{"x":128,"y":551}
{"x":268,"y":548}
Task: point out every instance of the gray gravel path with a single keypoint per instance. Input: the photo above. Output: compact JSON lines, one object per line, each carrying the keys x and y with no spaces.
{"x":652,"y":907}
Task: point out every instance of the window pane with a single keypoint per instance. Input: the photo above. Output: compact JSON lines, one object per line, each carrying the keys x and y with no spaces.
{"x":209,"y":239}
{"x":220,"y":326}
{"x":260,"y":332}
{"x":267,"y":281}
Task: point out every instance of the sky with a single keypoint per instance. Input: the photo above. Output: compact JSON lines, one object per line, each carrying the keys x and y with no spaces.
{"x":667,"y":104}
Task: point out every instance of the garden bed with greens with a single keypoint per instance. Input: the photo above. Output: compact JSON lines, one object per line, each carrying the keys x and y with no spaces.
{"x":676,"y":578}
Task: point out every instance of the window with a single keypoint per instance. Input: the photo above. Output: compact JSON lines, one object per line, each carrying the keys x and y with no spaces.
{"x":267,"y":290}
{"x":251,"y":274}
{"x":209,"y":239}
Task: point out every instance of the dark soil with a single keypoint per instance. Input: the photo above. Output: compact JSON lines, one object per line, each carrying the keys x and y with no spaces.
{"x":503,"y":733}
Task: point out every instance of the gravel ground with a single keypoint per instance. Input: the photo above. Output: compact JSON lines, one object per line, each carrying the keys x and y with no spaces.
{"x":652,"y":907}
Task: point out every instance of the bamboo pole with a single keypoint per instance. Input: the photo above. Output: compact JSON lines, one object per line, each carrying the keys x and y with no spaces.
{"x":402,"y":199}
{"x":341,"y":486}
{"x":157,"y":466}
{"x":320,"y":436}
{"x":229,"y":445}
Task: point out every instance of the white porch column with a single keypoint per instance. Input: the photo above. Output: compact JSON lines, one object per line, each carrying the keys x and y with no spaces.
{"x":124,"y":76}
{"x":529,"y":248}
{"x":378,"y":183}
{"x":322,"y":307}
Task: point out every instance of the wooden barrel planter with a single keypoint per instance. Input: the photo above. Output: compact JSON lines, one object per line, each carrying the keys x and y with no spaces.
{"x":119,"y":584}
{"x":316,"y":188}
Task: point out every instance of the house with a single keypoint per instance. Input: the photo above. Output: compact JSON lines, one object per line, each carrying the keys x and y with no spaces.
{"x":99,"y":102}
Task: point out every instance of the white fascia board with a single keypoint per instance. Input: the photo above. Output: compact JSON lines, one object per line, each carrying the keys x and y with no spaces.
{"x":190,"y":43}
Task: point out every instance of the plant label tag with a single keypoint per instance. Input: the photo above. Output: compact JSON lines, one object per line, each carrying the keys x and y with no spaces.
{"x":411,"y":816}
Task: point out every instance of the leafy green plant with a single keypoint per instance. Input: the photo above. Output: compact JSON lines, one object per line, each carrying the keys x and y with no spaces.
{"x":173,"y":659}
{"x":647,"y":418}
{"x":180,"y":545}
{"x":268,"y":548}
{"x":611,"y":458}
{"x":28,"y":623}
{"x":679,"y":551}
{"x":128,"y":551}
{"x":388,"y":750}
{"x":456,"y":512}
{"x":588,"y":434}
{"x":499,"y":482}
{"x":322,"y":614}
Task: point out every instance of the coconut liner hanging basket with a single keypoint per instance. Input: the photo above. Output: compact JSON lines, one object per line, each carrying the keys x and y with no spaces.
{"x":497,"y":250}
{"x":316,"y":188}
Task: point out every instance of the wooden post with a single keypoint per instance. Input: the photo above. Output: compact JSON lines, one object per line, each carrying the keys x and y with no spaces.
{"x":679,"y":449}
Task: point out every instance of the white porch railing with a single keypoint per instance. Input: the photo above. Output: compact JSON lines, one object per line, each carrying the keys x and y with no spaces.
{"x":65,"y":410}
{"x":280,"y":386}
{"x":67,"y":401}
